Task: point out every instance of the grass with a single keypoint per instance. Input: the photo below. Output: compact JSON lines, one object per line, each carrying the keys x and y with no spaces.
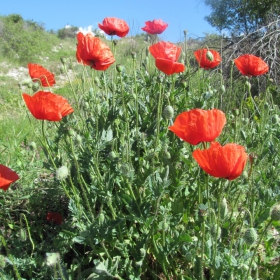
{"x":135,"y":204}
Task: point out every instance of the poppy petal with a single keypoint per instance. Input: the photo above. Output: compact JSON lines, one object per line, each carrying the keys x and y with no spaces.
{"x":250,"y":65}
{"x":114,"y":26}
{"x":93,"y":52}
{"x":7,"y":177}
{"x":38,"y":72}
{"x":199,"y":125}
{"x":204,"y":62}
{"x":47,"y":106}
{"x":169,"y":67}
{"x":157,"y":26}
{"x":222,"y":161}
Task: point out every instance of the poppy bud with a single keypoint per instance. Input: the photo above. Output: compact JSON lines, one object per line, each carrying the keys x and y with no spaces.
{"x":133,"y":55}
{"x":236,"y":112}
{"x":165,"y":226}
{"x":223,"y":208}
{"x":63,"y":60}
{"x":275,"y":119}
{"x":146,"y":60}
{"x":101,"y":218}
{"x":71,"y":132}
{"x":112,"y":155}
{"x":22,"y":234}
{"x":2,"y":261}
{"x":120,"y":68}
{"x":32,"y":146}
{"x":97,"y":82}
{"x":166,"y":154}
{"x":223,"y":89}
{"x":168,"y":112}
{"x":115,"y":42}
{"x":248,"y":85}
{"x":275,"y":213}
{"x":62,"y":173}
{"x":216,"y":231}
{"x":209,"y":56}
{"x":142,"y":252}
{"x":250,"y":236}
{"x":185,"y":32}
{"x":35,"y":86}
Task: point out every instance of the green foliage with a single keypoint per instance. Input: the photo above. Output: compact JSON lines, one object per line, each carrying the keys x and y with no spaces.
{"x":67,"y":32}
{"x":24,"y":40}
{"x":241,"y":16}
{"x":135,"y":204}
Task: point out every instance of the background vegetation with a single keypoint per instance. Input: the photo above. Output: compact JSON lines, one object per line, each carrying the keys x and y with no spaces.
{"x":135,"y":205}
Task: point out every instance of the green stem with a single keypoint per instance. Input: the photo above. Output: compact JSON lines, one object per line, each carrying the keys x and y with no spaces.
{"x":11,"y":258}
{"x":29,"y":234}
{"x":81,"y":180}
{"x":159,"y":110}
{"x":256,"y":248}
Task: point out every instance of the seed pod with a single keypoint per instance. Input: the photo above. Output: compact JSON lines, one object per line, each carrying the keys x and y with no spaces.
{"x":248,"y":85}
{"x":101,"y":218}
{"x":215,"y":231}
{"x":223,"y":209}
{"x":142,"y":252}
{"x":168,"y":112}
{"x":2,"y":261}
{"x":250,"y":236}
{"x":209,"y":56}
{"x":35,"y":86}
{"x":32,"y":146}
{"x":275,"y":213}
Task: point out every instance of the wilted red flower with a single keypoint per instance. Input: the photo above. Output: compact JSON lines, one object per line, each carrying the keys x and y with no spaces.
{"x":93,"y":52}
{"x":38,"y":72}
{"x":114,"y":26}
{"x":250,"y":65}
{"x":55,"y":217}
{"x":199,"y":125}
{"x":222,"y":161}
{"x":7,"y":177}
{"x":157,"y":26}
{"x":166,"y":55}
{"x":45,"y":105}
{"x":207,"y":59}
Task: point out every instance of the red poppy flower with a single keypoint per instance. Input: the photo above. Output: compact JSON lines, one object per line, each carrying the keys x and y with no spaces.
{"x":38,"y":72}
{"x":250,"y":65}
{"x":93,"y":52}
{"x":114,"y":26}
{"x":55,"y":218}
{"x":45,"y":105}
{"x":207,"y":59}
{"x":157,"y":26}
{"x":7,"y":177}
{"x":199,"y":125}
{"x":222,"y":161}
{"x":166,"y":55}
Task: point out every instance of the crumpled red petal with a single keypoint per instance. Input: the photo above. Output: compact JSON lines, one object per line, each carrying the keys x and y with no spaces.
{"x":250,"y":65}
{"x":47,"y":106}
{"x":38,"y":72}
